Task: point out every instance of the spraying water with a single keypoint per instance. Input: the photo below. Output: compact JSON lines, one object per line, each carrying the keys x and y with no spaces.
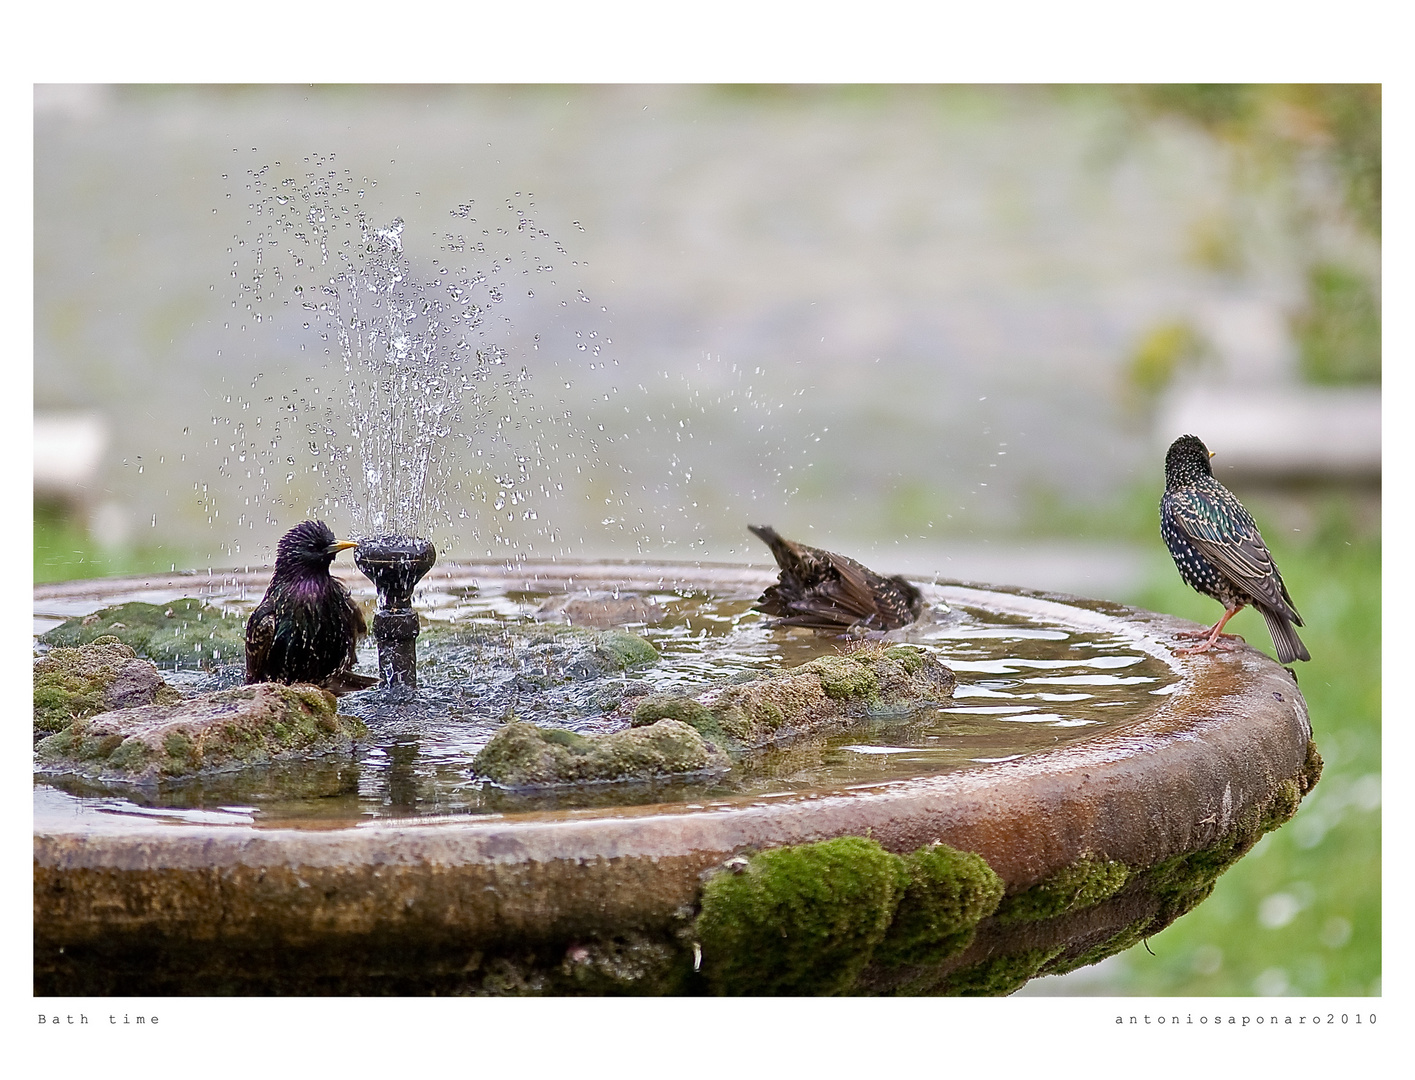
{"x":421,"y":375}
{"x":422,"y":380}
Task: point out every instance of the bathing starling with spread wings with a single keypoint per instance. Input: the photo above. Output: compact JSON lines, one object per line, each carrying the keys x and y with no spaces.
{"x":832,"y":594}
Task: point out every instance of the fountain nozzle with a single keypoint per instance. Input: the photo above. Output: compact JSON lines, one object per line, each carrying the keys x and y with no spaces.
{"x":395,"y":564}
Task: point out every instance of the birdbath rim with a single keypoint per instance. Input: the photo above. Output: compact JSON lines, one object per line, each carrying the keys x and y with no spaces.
{"x":1238,"y":682}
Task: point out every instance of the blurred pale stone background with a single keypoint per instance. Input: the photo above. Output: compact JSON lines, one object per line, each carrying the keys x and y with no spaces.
{"x":894,"y":321}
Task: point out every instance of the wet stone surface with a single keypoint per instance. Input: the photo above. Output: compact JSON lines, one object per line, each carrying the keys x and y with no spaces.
{"x":522,"y":755}
{"x":821,"y":695}
{"x":222,"y":730}
{"x":74,"y":683}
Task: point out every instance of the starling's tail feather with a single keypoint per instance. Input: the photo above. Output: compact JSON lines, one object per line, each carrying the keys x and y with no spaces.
{"x":779,"y":549}
{"x":1289,"y":645}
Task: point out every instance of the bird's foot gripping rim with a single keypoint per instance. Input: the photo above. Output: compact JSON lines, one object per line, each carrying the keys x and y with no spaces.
{"x":1205,"y":633}
{"x":1223,"y":643}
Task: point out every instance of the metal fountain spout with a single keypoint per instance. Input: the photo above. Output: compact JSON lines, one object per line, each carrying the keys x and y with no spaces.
{"x":395,"y":564}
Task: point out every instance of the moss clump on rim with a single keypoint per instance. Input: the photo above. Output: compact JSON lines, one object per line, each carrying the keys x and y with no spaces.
{"x":1183,"y":881}
{"x":798,"y":920}
{"x":996,"y":976}
{"x":1121,"y":940}
{"x":523,"y":755}
{"x":1085,"y":882}
{"x":948,"y":893}
{"x":185,"y":631}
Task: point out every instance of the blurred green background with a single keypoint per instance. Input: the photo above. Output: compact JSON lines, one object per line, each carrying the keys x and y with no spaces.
{"x":1294,"y":197}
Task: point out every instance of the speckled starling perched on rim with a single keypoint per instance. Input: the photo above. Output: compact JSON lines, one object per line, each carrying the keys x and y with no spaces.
{"x":1219,"y":552}
{"x":830,"y":593}
{"x":307,"y":627}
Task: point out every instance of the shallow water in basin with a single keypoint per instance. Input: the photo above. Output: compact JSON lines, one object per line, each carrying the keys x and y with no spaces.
{"x":1024,"y":685}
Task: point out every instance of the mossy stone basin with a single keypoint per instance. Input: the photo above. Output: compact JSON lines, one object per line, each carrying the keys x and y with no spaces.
{"x":966,"y":881}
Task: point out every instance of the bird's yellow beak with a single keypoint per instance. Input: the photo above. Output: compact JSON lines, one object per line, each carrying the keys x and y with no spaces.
{"x":341,"y":545}
{"x":1211,"y":453}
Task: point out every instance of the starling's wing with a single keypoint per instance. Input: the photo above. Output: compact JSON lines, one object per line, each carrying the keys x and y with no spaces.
{"x":820,"y":590}
{"x":772,"y":602}
{"x":807,"y":593}
{"x":881,"y":603}
{"x":260,"y":636}
{"x":832,"y":598}
{"x":1225,"y":534}
{"x":810,"y":610}
{"x":839,"y":599}
{"x":902,"y":599}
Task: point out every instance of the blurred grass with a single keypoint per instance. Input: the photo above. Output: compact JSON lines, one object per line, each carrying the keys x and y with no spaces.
{"x":63,"y":551}
{"x":1301,"y":914}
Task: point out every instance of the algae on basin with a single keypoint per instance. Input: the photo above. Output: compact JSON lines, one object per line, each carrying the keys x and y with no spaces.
{"x":75,"y":683}
{"x":824,"y":694}
{"x":523,"y":755}
{"x":185,"y":631}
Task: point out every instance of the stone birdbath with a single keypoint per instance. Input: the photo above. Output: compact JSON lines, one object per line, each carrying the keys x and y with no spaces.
{"x":967,"y":877}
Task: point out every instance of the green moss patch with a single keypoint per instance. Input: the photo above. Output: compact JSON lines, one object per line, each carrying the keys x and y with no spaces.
{"x":996,"y":976}
{"x":74,"y":683}
{"x":809,"y":919}
{"x":845,"y":678}
{"x":1085,"y":882}
{"x":1183,"y":881}
{"x":947,"y":894}
{"x":1126,"y":937}
{"x":799,"y":920}
{"x":228,"y":729}
{"x":681,"y":708}
{"x":622,"y":649}
{"x":185,"y":632}
{"x":524,"y":755}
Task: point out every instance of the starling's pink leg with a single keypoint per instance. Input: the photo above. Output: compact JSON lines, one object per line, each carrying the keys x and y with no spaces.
{"x":1213,"y":634}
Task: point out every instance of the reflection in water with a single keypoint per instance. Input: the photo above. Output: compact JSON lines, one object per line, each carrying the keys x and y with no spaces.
{"x":1024,"y":686}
